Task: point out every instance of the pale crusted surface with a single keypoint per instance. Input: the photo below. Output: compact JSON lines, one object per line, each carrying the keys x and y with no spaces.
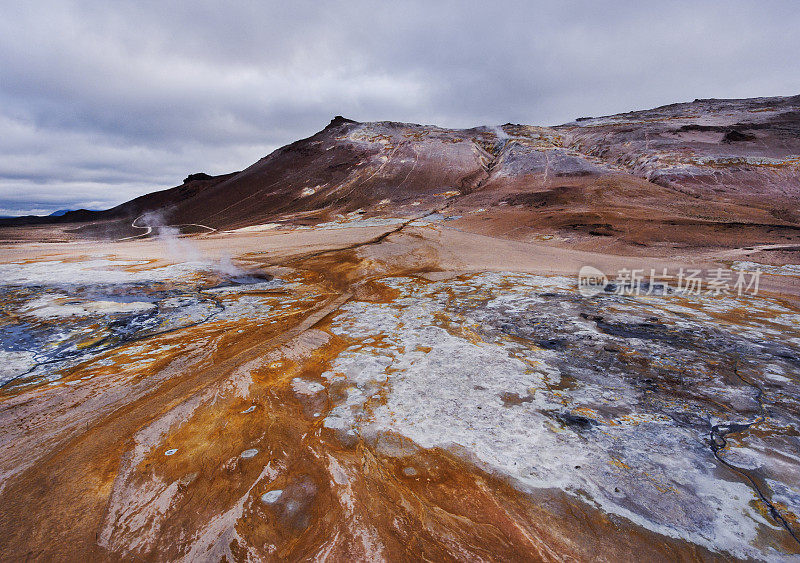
{"x":513,"y":374}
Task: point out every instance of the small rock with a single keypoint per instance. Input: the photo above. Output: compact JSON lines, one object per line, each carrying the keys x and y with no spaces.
{"x":271,"y":497}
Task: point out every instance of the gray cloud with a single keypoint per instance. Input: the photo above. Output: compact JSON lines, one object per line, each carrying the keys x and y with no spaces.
{"x":100,"y":102}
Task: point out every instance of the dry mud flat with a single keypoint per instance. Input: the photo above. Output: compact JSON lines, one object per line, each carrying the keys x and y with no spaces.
{"x":429,"y":393}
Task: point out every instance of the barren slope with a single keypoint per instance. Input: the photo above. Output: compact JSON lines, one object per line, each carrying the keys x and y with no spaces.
{"x":706,"y":173}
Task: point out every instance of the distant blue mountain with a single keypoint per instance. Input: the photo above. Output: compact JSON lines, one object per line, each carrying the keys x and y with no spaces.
{"x":60,"y":212}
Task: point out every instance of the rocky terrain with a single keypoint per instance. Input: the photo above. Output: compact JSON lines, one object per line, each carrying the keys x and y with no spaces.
{"x":372,"y":345}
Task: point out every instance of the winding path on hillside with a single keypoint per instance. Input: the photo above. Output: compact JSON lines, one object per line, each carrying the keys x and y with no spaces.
{"x":149,"y":229}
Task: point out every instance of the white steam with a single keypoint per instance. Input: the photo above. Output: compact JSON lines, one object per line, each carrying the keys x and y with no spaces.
{"x":498,"y":131}
{"x":182,"y":249}
{"x":179,"y":249}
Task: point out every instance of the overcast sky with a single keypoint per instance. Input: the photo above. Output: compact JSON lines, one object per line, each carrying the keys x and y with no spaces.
{"x":103,"y":101}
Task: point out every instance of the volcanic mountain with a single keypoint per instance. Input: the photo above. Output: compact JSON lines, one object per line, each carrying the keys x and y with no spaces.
{"x":709,"y":172}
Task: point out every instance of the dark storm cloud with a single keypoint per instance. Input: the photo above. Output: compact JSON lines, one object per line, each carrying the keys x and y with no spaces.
{"x":100,"y":101}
